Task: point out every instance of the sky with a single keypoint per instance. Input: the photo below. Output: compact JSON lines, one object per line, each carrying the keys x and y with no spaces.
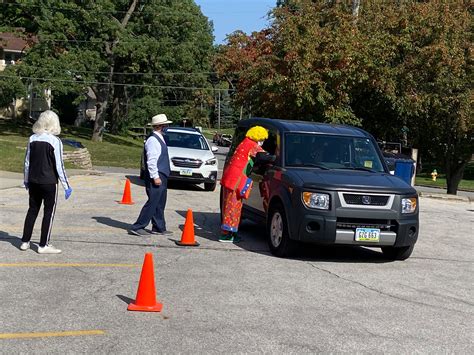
{"x":231,"y":15}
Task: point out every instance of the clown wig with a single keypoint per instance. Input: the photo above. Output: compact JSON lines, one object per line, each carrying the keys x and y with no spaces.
{"x":257,"y":133}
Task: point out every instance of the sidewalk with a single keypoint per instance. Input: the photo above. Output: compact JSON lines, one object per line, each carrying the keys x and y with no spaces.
{"x":434,"y":192}
{"x":9,"y":179}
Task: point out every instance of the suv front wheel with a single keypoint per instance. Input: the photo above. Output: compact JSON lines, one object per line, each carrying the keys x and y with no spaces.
{"x":400,"y":253}
{"x":279,"y":240}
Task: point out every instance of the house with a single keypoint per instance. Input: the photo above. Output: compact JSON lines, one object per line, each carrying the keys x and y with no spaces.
{"x":12,"y":49}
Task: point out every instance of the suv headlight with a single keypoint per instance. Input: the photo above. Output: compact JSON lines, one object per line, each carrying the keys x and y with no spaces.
{"x":409,"y":204}
{"x":316,"y":200}
{"x":212,"y":161}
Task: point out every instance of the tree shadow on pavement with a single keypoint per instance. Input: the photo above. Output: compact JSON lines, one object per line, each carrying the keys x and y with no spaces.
{"x":172,"y":185}
{"x":112,"y":223}
{"x":254,"y":239}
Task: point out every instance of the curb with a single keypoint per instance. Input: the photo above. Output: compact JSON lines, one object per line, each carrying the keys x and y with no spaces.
{"x":445,"y":197}
{"x":441,"y":188}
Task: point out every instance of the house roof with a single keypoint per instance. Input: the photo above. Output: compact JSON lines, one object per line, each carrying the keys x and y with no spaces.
{"x":12,"y":42}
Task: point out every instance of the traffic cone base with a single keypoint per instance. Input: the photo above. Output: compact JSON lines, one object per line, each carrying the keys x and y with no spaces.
{"x":195,"y":244}
{"x":146,"y":294}
{"x":187,"y":238}
{"x":156,"y":308}
{"x":127,"y":194}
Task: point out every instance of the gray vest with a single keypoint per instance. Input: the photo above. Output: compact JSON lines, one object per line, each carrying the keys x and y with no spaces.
{"x":163,"y":162}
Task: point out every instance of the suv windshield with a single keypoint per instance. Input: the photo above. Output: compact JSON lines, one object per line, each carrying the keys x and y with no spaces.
{"x":185,"y":140}
{"x":331,"y":152}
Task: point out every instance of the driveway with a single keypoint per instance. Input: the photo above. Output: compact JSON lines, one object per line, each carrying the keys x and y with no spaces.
{"x":221,"y":298}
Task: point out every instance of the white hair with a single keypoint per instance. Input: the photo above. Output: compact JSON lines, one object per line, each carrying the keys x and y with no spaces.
{"x":48,"y":122}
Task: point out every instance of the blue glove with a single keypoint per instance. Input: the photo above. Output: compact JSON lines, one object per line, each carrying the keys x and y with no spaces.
{"x":27,"y":185}
{"x":67,"y":193}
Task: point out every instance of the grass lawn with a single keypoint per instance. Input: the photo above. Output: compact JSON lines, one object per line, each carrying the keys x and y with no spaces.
{"x":441,"y":182}
{"x":113,"y":151}
{"x":209,"y":132}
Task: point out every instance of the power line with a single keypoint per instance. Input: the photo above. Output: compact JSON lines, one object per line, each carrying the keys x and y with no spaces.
{"x":115,"y":84}
{"x":73,"y":71}
{"x":46,"y":39}
{"x":76,"y":8}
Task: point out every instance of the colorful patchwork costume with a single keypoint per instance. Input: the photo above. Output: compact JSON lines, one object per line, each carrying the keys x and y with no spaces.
{"x":235,"y":182}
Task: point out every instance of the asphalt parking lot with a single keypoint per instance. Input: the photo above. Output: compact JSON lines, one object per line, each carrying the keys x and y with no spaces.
{"x":221,"y":298}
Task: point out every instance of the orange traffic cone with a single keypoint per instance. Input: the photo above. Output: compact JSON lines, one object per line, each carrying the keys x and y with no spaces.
{"x":127,"y":194}
{"x":187,"y":238}
{"x":146,"y":294}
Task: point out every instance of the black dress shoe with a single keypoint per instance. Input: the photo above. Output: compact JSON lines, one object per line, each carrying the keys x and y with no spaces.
{"x":161,"y":233}
{"x":139,"y":232}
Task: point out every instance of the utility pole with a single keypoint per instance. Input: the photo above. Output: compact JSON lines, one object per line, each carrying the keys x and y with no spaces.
{"x":30,"y":87}
{"x":355,"y":10}
{"x":219,"y":112}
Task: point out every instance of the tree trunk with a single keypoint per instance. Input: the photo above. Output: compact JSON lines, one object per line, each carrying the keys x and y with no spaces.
{"x":454,"y":174}
{"x":107,"y":91}
{"x":101,"y":108}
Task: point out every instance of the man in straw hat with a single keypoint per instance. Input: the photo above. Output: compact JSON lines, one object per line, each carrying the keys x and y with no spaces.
{"x":157,"y":170}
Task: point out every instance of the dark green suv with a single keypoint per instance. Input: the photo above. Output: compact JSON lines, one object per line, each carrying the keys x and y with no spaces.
{"x":328,"y":185}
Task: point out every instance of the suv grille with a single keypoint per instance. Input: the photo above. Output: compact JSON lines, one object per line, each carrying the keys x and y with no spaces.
{"x":366,"y":200}
{"x":353,"y":223}
{"x":186,"y":162}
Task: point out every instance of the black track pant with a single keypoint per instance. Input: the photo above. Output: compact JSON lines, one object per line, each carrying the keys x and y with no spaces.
{"x":39,"y":193}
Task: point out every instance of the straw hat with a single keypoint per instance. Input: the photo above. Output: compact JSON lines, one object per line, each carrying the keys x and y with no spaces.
{"x":159,"y":120}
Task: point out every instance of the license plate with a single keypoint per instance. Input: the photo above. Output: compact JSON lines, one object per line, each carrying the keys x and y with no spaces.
{"x":186,"y":172}
{"x":367,"y":235}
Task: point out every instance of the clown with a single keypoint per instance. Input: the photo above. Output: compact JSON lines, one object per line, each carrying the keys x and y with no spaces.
{"x":235,"y":183}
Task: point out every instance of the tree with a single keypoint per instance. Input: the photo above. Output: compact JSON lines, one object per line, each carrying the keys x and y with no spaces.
{"x":122,"y":49}
{"x":421,"y":78}
{"x":302,"y":67}
{"x":388,"y":66}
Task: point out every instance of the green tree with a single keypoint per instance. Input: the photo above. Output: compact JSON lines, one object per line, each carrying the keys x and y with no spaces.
{"x":302,"y":67}
{"x":419,"y":72}
{"x":122,"y":49}
{"x":388,"y":66}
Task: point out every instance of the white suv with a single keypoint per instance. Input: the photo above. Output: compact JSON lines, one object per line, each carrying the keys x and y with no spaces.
{"x":191,"y":158}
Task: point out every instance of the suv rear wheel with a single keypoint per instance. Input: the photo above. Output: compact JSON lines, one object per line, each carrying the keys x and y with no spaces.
{"x":400,"y":253}
{"x":279,"y":240}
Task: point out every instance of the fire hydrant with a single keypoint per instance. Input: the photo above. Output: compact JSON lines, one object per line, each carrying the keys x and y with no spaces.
{"x":434,"y":174}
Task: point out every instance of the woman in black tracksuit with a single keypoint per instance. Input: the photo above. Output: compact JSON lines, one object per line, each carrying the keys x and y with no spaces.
{"x":43,"y":168}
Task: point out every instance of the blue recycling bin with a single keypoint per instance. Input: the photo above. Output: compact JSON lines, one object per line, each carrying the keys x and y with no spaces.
{"x":404,"y":169}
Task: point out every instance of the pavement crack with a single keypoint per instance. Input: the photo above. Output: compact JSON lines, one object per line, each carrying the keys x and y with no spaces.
{"x":440,"y":259}
{"x":452,"y":298}
{"x":384,"y":293}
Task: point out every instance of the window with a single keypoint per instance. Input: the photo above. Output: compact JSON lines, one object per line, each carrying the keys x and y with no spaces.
{"x":332,"y":152}
{"x":185,"y":140}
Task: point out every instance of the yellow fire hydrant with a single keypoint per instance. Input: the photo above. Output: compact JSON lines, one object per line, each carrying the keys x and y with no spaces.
{"x":434,"y":174}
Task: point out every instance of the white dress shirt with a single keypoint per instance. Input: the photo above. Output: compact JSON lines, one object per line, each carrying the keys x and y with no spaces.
{"x":153,"y":152}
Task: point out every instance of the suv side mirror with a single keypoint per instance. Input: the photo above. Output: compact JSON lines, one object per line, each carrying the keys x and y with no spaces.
{"x":214,"y":149}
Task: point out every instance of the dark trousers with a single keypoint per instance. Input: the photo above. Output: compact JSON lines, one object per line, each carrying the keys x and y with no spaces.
{"x":154,"y":208}
{"x":39,"y":193}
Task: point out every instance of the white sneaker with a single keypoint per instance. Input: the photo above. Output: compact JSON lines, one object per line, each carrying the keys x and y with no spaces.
{"x":25,"y":246}
{"x":48,"y":249}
